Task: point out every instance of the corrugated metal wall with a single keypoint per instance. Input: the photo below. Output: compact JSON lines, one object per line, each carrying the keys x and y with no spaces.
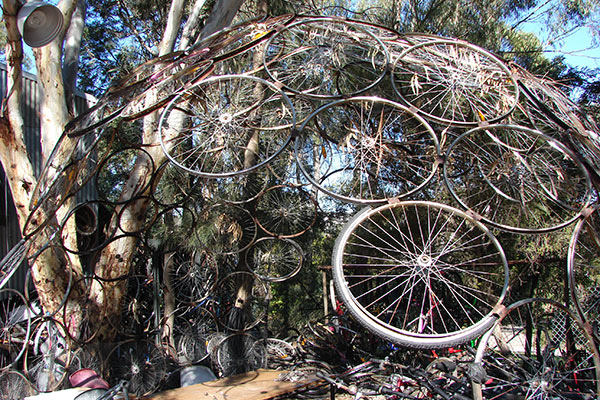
{"x":10,"y":233}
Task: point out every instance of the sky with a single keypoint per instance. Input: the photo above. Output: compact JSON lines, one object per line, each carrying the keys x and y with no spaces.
{"x":577,"y":48}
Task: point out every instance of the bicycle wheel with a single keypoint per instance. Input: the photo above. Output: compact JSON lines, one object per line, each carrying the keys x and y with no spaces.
{"x":93,"y":232}
{"x":15,"y":327}
{"x":78,"y":298}
{"x":275,"y":259}
{"x":583,"y":270}
{"x":239,"y":38}
{"x":47,"y":361}
{"x":278,"y":354}
{"x":538,"y":350}
{"x":325,"y":58}
{"x":226,"y":229}
{"x":420,"y":274}
{"x":239,"y":353}
{"x":140,"y":362}
{"x":516,"y":179}
{"x":367,"y":150}
{"x":138,"y":308}
{"x":285,"y":211}
{"x":193,"y":330}
{"x":15,"y":386}
{"x":454,"y":82}
{"x":223,"y":126}
{"x":112,"y":179}
{"x":192,"y":280}
{"x":242,"y":301}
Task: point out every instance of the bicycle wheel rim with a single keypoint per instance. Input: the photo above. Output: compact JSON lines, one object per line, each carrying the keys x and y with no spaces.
{"x":543,"y":175}
{"x":393,"y":151}
{"x":381,"y":244}
{"x":582,"y":268}
{"x":320,"y":70}
{"x":225,"y":136}
{"x":454,"y":82}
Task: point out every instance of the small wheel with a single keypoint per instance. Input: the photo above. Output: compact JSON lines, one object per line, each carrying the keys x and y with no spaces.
{"x":420,"y":274}
{"x":516,"y":179}
{"x":193,"y":330}
{"x":538,"y":349}
{"x":140,"y":362}
{"x":15,"y":386}
{"x":275,"y":259}
{"x":325,"y":58}
{"x":193,"y":279}
{"x":226,"y":229}
{"x":238,"y":353}
{"x":115,"y":171}
{"x":242,"y":301}
{"x":454,"y":82}
{"x":15,"y":327}
{"x":223,"y":126}
{"x":366,"y":150}
{"x":583,"y":268}
{"x":285,"y":211}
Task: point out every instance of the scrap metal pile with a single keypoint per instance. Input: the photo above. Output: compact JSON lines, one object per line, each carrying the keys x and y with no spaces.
{"x":443,"y":143}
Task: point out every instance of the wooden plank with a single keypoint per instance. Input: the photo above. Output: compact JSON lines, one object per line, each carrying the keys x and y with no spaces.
{"x":254,"y":385}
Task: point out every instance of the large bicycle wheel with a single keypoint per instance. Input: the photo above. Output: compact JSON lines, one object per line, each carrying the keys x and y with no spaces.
{"x":224,"y":126}
{"x":420,"y":274}
{"x":583,"y":266}
{"x":538,"y":350}
{"x":516,"y":179}
{"x":325,"y":58}
{"x":454,"y":82}
{"x":367,"y":150}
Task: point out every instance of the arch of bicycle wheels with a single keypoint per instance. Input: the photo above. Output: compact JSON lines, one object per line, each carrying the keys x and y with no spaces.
{"x":437,"y":142}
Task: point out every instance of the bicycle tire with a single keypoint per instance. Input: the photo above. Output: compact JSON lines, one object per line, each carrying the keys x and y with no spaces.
{"x":385,"y":258}
{"x":192,"y":280}
{"x":242,"y":300}
{"x":138,"y":361}
{"x":285,"y":211}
